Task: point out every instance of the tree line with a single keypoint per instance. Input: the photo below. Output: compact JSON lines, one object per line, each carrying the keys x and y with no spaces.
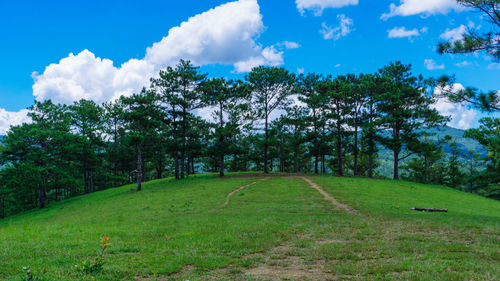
{"x":273,"y":120}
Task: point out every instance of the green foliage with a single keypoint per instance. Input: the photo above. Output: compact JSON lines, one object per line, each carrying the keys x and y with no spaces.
{"x":405,"y":109}
{"x":488,"y":134}
{"x":94,"y":264}
{"x":476,"y":40}
{"x":271,"y":87}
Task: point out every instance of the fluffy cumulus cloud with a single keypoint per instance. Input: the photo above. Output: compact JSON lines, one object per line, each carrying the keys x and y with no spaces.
{"x":8,"y":118}
{"x":454,"y":34}
{"x":223,"y":35}
{"x":402,"y":32}
{"x":317,"y":6}
{"x":461,"y":116}
{"x":85,"y":76}
{"x":335,"y":33}
{"x":424,"y":7}
{"x":430,"y":64}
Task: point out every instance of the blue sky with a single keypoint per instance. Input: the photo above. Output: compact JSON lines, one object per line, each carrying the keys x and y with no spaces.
{"x":324,"y":36}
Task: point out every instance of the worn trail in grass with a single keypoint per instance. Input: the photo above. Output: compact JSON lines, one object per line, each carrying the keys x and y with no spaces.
{"x":279,"y":228}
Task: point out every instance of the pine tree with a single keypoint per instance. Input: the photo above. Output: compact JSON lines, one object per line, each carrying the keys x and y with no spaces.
{"x":271,"y":87}
{"x":405,"y":110}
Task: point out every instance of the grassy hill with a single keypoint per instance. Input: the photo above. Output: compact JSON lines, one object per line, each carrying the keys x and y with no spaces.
{"x":279,"y":228}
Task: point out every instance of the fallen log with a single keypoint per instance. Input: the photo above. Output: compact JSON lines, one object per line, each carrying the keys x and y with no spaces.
{"x":430,"y":210}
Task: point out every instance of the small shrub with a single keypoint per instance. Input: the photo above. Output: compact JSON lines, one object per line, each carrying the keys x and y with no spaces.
{"x":94,"y":264}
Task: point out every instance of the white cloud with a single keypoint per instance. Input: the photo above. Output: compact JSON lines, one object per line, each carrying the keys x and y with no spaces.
{"x":317,"y":6}
{"x":290,"y":44}
{"x":461,"y":116}
{"x":300,"y":70}
{"x":463,"y":64}
{"x":454,"y":34}
{"x":343,"y":29}
{"x":269,"y":56}
{"x":425,"y":7}
{"x":223,"y":35}
{"x":402,"y":32}
{"x":8,"y":118}
{"x":84,"y":76}
{"x":432,"y":65}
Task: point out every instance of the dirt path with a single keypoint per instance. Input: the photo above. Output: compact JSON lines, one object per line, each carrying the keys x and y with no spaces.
{"x":228,"y":196}
{"x":329,"y":198}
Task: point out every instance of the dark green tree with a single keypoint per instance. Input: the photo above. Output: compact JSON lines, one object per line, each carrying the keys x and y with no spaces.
{"x":306,"y":88}
{"x":338,"y":109}
{"x":87,"y":121}
{"x":45,"y":148}
{"x":404,"y":106}
{"x":455,"y":167}
{"x":295,"y":122}
{"x":370,"y":115}
{"x":230,"y":98}
{"x":113,"y":123}
{"x":271,"y":87}
{"x":142,"y":116}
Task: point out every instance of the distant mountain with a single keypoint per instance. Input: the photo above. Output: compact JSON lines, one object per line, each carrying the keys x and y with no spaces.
{"x":464,"y":145}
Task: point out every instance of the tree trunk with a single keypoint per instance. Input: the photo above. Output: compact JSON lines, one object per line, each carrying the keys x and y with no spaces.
{"x":396,"y":164}
{"x":397,"y":150}
{"x":323,"y":164}
{"x":159,"y":172}
{"x":282,"y":161}
{"x":295,"y":161}
{"x":471,"y":172}
{"x":115,"y":158}
{"x":316,"y":161}
{"x":176,"y":164}
{"x":42,"y":195}
{"x":234,"y":166}
{"x":139,"y":168}
{"x":426,"y":170}
{"x":183,"y":145}
{"x":143,"y":168}
{"x":92,"y":186}
{"x":192,"y":166}
{"x":370,"y":165}
{"x":356,"y":148}
{"x":221,"y":141}
{"x":340,"y":171}
{"x":266,"y":147}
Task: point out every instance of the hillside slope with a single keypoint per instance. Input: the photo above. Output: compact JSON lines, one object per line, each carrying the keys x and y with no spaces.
{"x":276,"y":228}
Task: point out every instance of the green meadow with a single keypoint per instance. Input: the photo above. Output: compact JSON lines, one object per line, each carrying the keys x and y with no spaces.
{"x":279,"y":228}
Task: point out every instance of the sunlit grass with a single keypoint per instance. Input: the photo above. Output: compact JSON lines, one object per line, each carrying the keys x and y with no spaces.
{"x":179,"y":230}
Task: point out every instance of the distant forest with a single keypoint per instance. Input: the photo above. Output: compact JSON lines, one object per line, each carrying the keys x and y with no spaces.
{"x":272,"y":121}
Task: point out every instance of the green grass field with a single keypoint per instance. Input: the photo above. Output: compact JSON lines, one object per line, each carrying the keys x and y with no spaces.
{"x":277,"y":229}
